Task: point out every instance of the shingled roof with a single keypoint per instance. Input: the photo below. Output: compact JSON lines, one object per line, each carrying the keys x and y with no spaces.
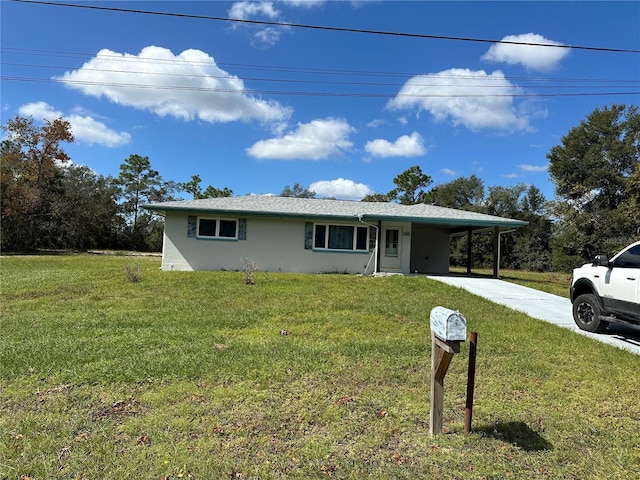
{"x":344,"y":210}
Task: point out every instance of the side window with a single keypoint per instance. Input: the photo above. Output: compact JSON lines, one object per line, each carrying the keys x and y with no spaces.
{"x":207,"y":227}
{"x":320,"y":237}
{"x":630,"y":258}
{"x":217,"y":228}
{"x":227,"y":229}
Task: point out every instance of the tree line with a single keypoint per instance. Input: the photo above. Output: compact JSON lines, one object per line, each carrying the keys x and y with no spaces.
{"x":49,"y":202}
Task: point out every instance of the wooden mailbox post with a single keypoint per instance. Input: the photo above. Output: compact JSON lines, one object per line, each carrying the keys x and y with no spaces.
{"x":448,"y":329}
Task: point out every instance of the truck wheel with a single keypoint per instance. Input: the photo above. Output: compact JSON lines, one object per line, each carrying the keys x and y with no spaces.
{"x":586,"y":313}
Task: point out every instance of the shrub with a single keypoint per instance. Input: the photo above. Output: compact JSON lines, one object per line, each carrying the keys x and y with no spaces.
{"x":134,"y":272}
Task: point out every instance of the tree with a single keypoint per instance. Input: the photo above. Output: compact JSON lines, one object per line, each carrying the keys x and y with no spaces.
{"x":532,"y":243}
{"x":84,"y":210}
{"x":213,"y":192}
{"x":410,"y":186}
{"x":193,"y":187}
{"x":138,"y":182}
{"x":633,"y":191}
{"x":297,"y":191}
{"x":504,"y":201}
{"x":31,"y":160}
{"x":593,"y":172}
{"x":465,"y":193}
{"x":596,"y":157}
{"x":375,"y":197}
{"x":139,"y":185}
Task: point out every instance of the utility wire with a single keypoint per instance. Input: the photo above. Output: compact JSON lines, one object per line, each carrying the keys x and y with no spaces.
{"x":485,"y":82}
{"x":326,"y":28}
{"x":308,"y":93}
{"x":300,"y":70}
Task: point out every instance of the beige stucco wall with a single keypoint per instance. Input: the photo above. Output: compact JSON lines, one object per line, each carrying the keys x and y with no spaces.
{"x":275,"y":244}
{"x":429,"y":249}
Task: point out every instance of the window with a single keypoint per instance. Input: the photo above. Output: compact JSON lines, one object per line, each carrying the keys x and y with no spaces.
{"x":227,"y":229}
{"x":391,"y":243}
{"x":320,"y":236}
{"x":629,"y":259}
{"x":217,"y":228}
{"x":207,"y":227}
{"x":340,"y":237}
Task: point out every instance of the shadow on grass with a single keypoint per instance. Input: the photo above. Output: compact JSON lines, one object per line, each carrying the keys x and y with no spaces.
{"x":516,"y":433}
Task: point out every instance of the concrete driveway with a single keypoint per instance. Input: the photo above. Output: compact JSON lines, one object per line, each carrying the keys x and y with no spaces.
{"x":543,"y":306}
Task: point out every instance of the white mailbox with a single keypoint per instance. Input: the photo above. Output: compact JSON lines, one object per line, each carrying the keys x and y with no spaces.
{"x":448,"y":325}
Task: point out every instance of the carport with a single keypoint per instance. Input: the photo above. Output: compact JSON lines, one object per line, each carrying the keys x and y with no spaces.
{"x":455,"y":223}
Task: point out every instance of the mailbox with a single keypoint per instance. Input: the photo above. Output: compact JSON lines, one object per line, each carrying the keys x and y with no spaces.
{"x":448,"y":325}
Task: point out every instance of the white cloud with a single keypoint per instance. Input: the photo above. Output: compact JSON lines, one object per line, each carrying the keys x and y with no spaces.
{"x":304,"y":3}
{"x":474,"y":99}
{"x":449,"y":172}
{"x":533,"y":168}
{"x":511,"y":175}
{"x":90,"y":131}
{"x":341,"y":188}
{"x":40,"y":111}
{"x":405,"y":146}
{"x":316,"y":140}
{"x":245,"y":10}
{"x":186,"y":86}
{"x":85,"y":128}
{"x":378,"y":122}
{"x":266,"y":38}
{"x":534,"y":57}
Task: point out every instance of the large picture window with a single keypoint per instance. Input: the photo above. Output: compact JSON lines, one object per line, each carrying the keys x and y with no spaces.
{"x":217,"y":228}
{"x":340,"y":237}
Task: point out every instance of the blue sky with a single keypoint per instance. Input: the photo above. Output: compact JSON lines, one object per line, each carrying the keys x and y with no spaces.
{"x":256,"y":107}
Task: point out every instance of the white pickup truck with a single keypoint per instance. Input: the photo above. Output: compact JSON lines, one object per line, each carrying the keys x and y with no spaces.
{"x":607,"y":291}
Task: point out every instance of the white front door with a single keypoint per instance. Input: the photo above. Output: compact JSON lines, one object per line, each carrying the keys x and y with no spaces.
{"x":391,"y":249}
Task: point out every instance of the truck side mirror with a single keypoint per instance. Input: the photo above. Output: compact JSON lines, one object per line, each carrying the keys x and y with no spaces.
{"x":601,"y":261}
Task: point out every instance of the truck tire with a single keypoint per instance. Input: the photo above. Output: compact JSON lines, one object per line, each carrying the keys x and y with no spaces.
{"x":586,"y":313}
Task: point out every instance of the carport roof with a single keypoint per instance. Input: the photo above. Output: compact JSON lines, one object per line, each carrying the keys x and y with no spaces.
{"x":343,"y":210}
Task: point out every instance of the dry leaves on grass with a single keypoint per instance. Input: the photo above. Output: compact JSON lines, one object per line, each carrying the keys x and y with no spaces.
{"x":125,"y":408}
{"x":328,"y":470}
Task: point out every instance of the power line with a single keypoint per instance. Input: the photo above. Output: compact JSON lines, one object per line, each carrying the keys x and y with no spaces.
{"x":484,"y":80}
{"x":326,"y":28}
{"x":309,"y":93}
{"x":300,"y":70}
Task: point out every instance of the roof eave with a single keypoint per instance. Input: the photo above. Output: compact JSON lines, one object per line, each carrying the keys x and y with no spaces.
{"x":249,"y":213}
{"x":481,"y":223}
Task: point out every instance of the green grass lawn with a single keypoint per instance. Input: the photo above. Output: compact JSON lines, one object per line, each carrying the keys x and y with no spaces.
{"x":197,"y":375}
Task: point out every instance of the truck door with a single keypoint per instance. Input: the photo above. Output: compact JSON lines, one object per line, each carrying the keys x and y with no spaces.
{"x":621,"y":283}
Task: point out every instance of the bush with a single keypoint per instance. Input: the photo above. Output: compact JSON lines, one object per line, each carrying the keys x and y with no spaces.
{"x":134,"y":272}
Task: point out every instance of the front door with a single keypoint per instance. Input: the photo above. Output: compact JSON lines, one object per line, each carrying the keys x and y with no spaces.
{"x":391,"y":249}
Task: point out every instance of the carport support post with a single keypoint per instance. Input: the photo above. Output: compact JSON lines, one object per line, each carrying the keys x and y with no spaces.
{"x":441,"y":354}
{"x":378,"y":241}
{"x":469,"y":252}
{"x":496,"y":252}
